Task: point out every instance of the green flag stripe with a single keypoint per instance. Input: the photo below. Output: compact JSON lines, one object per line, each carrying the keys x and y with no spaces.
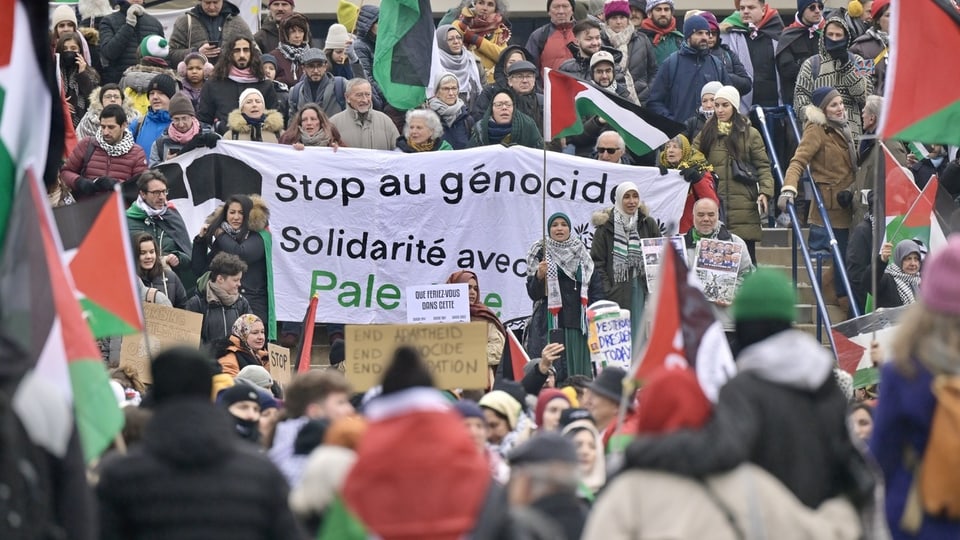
{"x":98,"y":417}
{"x":938,"y":128}
{"x":104,"y":323}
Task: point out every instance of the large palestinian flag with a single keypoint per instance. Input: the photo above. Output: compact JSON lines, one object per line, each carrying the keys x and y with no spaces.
{"x":567,"y":101}
{"x":38,"y":307}
{"x":921,"y":102}
{"x":401,"y":64}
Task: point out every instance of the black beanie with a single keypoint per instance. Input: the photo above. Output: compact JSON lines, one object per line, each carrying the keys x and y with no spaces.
{"x":165,"y":84}
{"x":181,"y":372}
{"x":407,"y":370}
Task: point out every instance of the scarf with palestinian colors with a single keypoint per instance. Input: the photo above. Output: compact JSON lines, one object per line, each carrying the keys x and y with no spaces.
{"x":569,"y":256}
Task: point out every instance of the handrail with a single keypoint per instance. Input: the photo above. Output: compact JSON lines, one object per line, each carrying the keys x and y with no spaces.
{"x":797,"y":233}
{"x":838,"y":261}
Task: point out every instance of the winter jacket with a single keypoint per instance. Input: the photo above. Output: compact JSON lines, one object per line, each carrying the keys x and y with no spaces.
{"x":867,"y":161}
{"x":171,"y":234}
{"x":491,"y":45}
{"x":523,"y":131}
{"x":365,"y":46}
{"x":148,"y":129}
{"x":694,"y":125}
{"x":537,"y":44}
{"x":739,"y":200}
{"x":795,"y":46}
{"x":601,"y":251}
{"x":120,"y":42}
{"x":922,"y":171}
{"x":675,"y":92}
{"x":204,"y":482}
{"x":458,"y":133}
{"x":887,"y":295}
{"x":668,"y":44}
{"x":651,"y":505}
{"x":122,"y":168}
{"x":579,"y":67}
{"x":76,"y":87}
{"x":853,"y":88}
{"x":232,"y":357}
{"x":194,"y":28}
{"x":404,"y":146}
{"x":90,"y":123}
{"x":218,"y":319}
{"x":239,"y":130}
{"x":641,"y":61}
{"x":375,"y":131}
{"x":329,"y":95}
{"x":903,"y":419}
{"x":268,"y":37}
{"x":721,"y":312}
{"x":135,"y":81}
{"x":170,"y":285}
{"x":739,"y":77}
{"x":874,"y":46}
{"x":220,"y":97}
{"x":826,"y":152}
{"x":757,"y":55}
{"x":784,"y":401}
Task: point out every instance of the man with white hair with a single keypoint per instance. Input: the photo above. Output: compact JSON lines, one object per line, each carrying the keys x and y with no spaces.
{"x":360,"y":126}
{"x":611,"y":148}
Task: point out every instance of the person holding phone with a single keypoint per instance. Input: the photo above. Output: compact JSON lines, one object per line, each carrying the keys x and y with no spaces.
{"x":204,"y":27}
{"x":561,"y":282}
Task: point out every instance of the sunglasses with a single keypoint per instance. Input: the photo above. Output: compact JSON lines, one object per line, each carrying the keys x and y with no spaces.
{"x":610,"y":151}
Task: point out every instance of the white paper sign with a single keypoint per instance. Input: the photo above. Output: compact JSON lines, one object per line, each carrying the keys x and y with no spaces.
{"x":442,"y":303}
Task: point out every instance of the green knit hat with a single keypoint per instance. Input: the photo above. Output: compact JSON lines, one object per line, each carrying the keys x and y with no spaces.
{"x":155,"y":46}
{"x":766,"y":294}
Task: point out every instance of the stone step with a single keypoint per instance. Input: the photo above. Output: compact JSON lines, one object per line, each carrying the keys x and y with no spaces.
{"x":776,"y":236}
{"x":807,"y":313}
{"x":783,"y":256}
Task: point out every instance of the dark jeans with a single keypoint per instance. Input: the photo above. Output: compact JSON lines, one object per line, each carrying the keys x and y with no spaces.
{"x":819,"y":240}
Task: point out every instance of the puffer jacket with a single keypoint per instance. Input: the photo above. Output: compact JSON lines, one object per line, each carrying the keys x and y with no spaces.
{"x":365,"y":45}
{"x":148,"y":129}
{"x":119,"y":42}
{"x":90,"y":123}
{"x":601,"y":251}
{"x":240,"y":130}
{"x":739,"y":200}
{"x":233,"y":357}
{"x":825,"y":150}
{"x":190,"y":31}
{"x":675,"y":92}
{"x":122,"y":168}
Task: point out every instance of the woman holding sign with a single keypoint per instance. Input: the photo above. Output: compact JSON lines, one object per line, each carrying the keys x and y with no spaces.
{"x":561,"y":282}
{"x":496,"y":333}
{"x":245,"y":346}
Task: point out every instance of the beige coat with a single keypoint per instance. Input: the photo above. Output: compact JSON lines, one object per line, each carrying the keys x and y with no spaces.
{"x":240,"y":130}
{"x":649,"y":505}
{"x":376,"y":131}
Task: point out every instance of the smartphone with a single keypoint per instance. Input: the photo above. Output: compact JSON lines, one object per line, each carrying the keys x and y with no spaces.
{"x":556,"y":335}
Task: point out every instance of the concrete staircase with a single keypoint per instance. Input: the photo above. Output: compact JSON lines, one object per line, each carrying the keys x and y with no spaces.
{"x":774,"y":251}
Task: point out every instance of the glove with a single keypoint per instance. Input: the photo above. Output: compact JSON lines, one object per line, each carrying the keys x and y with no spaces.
{"x":133,"y":13}
{"x":84,"y":187}
{"x":691,"y":174}
{"x":663,"y":170}
{"x":207,"y":139}
{"x":785,"y":198}
{"x":472,"y":38}
{"x":845,"y":198}
{"x":105,"y":183}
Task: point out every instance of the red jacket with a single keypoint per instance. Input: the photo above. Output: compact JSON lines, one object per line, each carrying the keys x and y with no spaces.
{"x":120,"y":168}
{"x":704,"y":189}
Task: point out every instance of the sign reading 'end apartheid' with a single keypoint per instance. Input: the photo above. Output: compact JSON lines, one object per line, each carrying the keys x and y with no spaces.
{"x":456,"y":354}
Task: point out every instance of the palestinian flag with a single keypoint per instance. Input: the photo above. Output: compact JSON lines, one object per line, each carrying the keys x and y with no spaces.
{"x":895,"y":194}
{"x":518,"y":358}
{"x":97,"y":249}
{"x":401,"y":63}
{"x":915,"y":223}
{"x":305,"y":348}
{"x":39,"y":310}
{"x":684,"y":331}
{"x":567,"y":101}
{"x":922,"y":104}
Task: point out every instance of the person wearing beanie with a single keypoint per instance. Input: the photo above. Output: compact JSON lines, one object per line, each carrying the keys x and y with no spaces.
{"x":799,"y":41}
{"x":502,"y":412}
{"x":151,"y":52}
{"x":834,"y":66}
{"x":242,"y":403}
{"x":476,"y":424}
{"x":209,"y":28}
{"x":268,"y":36}
{"x":148,"y":129}
{"x":550,"y":404}
{"x":195,"y":465}
{"x":638,"y":58}
{"x":827,"y":148}
{"x":874,"y":43}
{"x":547,"y":45}
{"x":739,"y":77}
{"x":121,"y":33}
{"x":63,"y":20}
{"x":661,"y":27}
{"x":696,"y":122}
{"x":335,"y":47}
{"x":294,"y":42}
{"x":752,"y":33}
{"x":924,"y":349}
{"x":855,"y":14}
{"x":256,"y":376}
{"x":252,"y":121}
{"x":633,"y":503}
{"x":675,"y":91}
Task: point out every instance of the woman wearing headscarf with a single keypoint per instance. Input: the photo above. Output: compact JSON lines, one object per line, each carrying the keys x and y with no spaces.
{"x":453,"y":112}
{"x":678,"y":154}
{"x":496,"y":333}
{"x":827,"y":148}
{"x":311,"y":127}
{"x":616,"y":252}
{"x":898,"y":273}
{"x":240,"y":227}
{"x":245,"y":346}
{"x":590,"y":456}
{"x":422,"y":132}
{"x":503,"y":124}
{"x":485,"y":31}
{"x":562,"y":282}
{"x":455,"y":59}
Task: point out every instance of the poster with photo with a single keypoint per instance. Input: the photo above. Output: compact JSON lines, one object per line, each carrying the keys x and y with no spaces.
{"x":717,"y":264}
{"x":652,"y":251}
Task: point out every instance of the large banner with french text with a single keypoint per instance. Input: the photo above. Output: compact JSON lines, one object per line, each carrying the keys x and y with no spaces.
{"x":360,"y":226}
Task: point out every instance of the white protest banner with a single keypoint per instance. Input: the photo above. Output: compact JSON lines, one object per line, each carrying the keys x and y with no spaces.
{"x":438,"y":303}
{"x":360,"y":226}
{"x":165,"y":327}
{"x":280,"y":367}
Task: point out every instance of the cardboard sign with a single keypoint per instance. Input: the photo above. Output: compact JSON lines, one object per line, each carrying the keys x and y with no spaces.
{"x":165,"y":327}
{"x":442,"y":303}
{"x":609,"y":336}
{"x":280,"y":367}
{"x":455,"y":353}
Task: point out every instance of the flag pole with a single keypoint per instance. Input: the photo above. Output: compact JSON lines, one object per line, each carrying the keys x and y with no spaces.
{"x":879,"y":218}
{"x":543,"y":209}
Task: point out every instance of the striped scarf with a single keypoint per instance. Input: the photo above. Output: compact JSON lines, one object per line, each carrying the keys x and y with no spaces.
{"x":627,"y":255}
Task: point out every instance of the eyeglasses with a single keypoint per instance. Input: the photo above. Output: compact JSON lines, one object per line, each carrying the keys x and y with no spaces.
{"x":611,"y":151}
{"x":449,"y":89}
{"x":502,"y":104}
{"x":158,"y":192}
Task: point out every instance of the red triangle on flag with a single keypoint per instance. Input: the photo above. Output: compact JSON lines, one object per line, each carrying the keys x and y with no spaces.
{"x":919,"y":213}
{"x":561,"y":112}
{"x":900,"y":190}
{"x":518,"y":356}
{"x":848,"y":352}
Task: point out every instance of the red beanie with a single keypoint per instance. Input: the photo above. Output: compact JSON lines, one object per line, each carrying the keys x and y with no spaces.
{"x":671,"y":399}
{"x":546,"y":396}
{"x":877,"y":7}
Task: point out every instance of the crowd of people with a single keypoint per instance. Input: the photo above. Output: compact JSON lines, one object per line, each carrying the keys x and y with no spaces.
{"x":217,"y":448}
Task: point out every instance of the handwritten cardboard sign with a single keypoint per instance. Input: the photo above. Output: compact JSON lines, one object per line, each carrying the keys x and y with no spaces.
{"x":456,"y":354}
{"x":610,"y":338}
{"x":280,"y":367}
{"x":442,"y":303}
{"x":165,"y":327}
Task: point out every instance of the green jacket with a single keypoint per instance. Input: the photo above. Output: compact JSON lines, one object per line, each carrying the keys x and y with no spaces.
{"x":171,"y":234}
{"x":523,"y":132}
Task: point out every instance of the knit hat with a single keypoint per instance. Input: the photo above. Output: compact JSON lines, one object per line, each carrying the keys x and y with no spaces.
{"x":694,"y":24}
{"x":544,"y":448}
{"x":638,"y":4}
{"x":503,"y":404}
{"x":802,"y":5}
{"x":573,"y":4}
{"x":711,"y":87}
{"x":154,"y":46}
{"x":336,"y":37}
{"x":468,"y":409}
{"x":347,"y":14}
{"x":600,"y":56}
{"x":254,"y":375}
{"x":609,"y":383}
{"x":61,"y":14}
{"x":292,"y":3}
{"x":904,"y":248}
{"x":711,"y":20}
{"x":616,"y":7}
{"x":571,"y":394}
{"x":654,"y":3}
{"x":406,"y":370}
{"x":268,"y":59}
{"x":766,"y":294}
{"x":546,"y":396}
{"x":238,"y":393}
{"x":180,"y":104}
{"x":520,"y":67}
{"x":164,"y":83}
{"x":671,"y":399}
{"x":878,"y":8}
{"x":730,"y":94}
{"x":940,"y":287}
{"x":823,"y":95}
{"x":180,"y":372}
{"x":312,"y":55}
{"x":246,"y":93}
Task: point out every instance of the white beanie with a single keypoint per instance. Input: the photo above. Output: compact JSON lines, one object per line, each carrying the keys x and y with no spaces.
{"x":711,"y":88}
{"x":246,"y":93}
{"x":336,"y":38}
{"x":61,"y":14}
{"x":730,"y":94}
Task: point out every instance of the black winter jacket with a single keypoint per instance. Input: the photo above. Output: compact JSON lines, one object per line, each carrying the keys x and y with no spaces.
{"x":119,"y":42}
{"x":217,"y":319}
{"x":220,"y":97}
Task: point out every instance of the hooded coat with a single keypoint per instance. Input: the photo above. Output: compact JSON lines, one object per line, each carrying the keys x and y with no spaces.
{"x":796,"y":45}
{"x":90,"y":123}
{"x":602,"y":252}
{"x":119,"y":42}
{"x":194,"y":28}
{"x":874,"y":45}
{"x":757,"y":55}
{"x":239,"y":130}
{"x":219,"y":97}
{"x":135,"y":81}
{"x":579,"y":67}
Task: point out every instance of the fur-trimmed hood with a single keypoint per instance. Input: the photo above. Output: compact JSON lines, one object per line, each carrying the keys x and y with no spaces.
{"x":92,"y":35}
{"x":94,"y":105}
{"x":602,"y":217}
{"x":815,"y":115}
{"x":273,"y":122}
{"x":259,"y":214}
{"x":138,"y":77}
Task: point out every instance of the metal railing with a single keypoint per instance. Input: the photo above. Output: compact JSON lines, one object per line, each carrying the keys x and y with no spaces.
{"x":823,"y":316}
